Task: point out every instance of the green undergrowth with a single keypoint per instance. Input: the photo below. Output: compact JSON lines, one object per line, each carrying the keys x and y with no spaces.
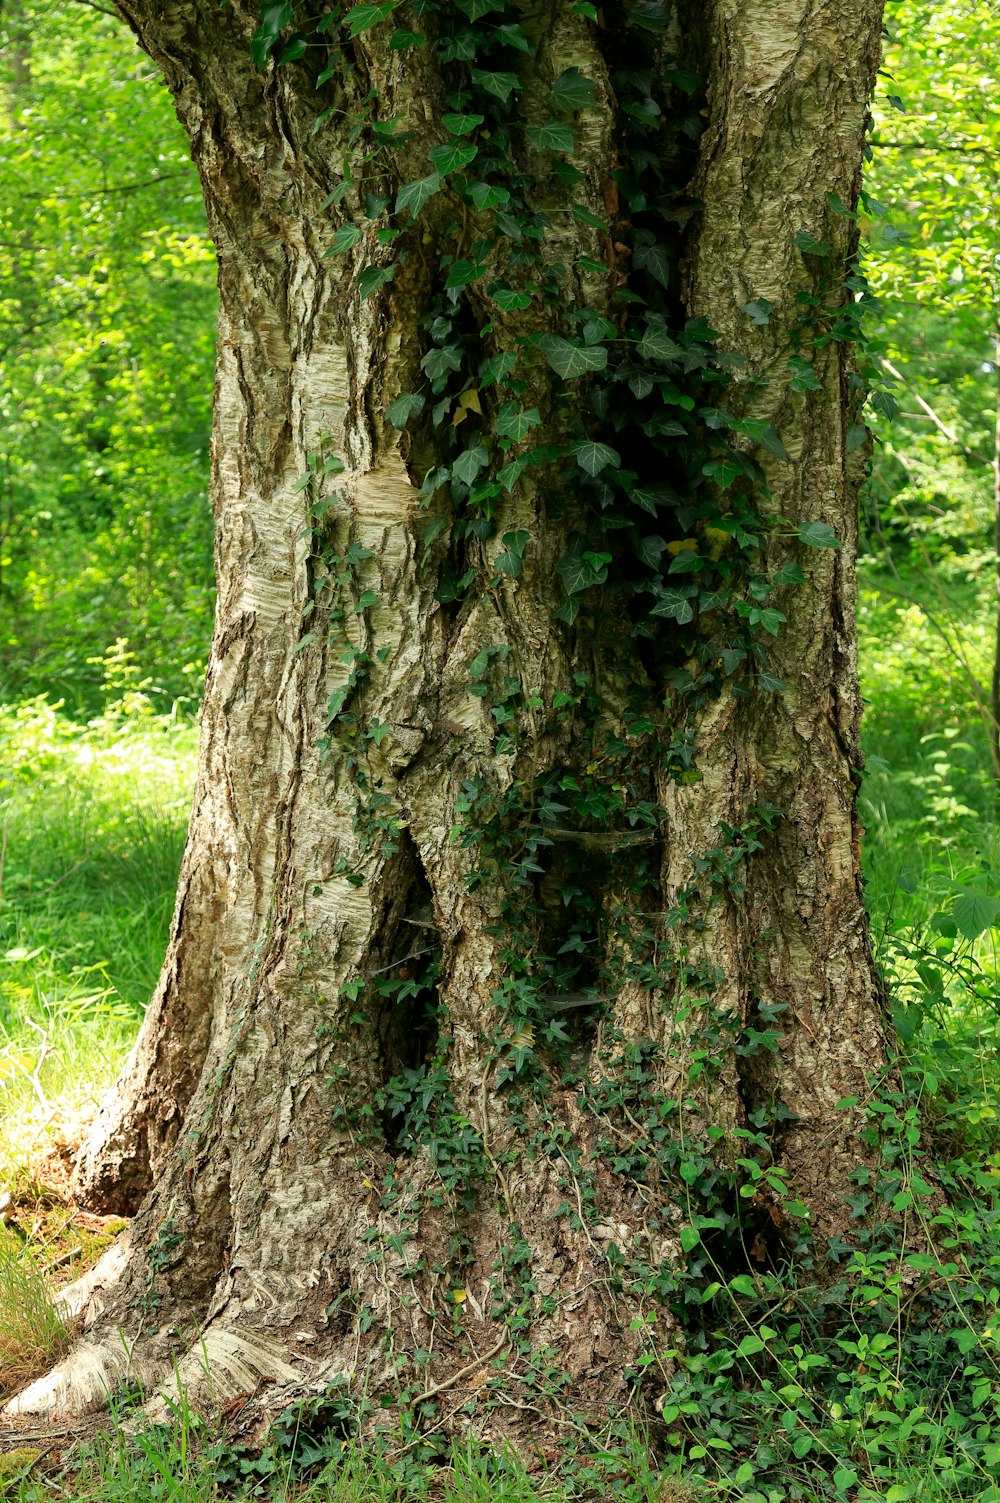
{"x":932,"y":847}
{"x":174,"y":1462}
{"x":93,"y":819}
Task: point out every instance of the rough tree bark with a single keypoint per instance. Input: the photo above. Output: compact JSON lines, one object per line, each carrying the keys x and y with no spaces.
{"x":282,"y":1232}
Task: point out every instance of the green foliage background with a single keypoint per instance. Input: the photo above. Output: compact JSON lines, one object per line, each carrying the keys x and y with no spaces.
{"x":106,"y":348}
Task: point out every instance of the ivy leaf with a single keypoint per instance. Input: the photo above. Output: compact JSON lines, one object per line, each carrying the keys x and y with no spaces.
{"x":273,"y":19}
{"x":405,"y":405}
{"x":651,"y":498}
{"x":515,"y":423}
{"x":464,"y":272}
{"x":857,"y":437}
{"x":292,"y":51}
{"x":687,"y":561}
{"x":514,"y":36}
{"x":593,"y":457}
{"x":714,"y":417}
{"x":654,"y":259}
{"x":414,"y":195}
{"x":722,"y":471}
{"x":975,"y":912}
{"x":572,"y":360}
{"x":885,"y":402}
{"x":461,"y":125}
{"x":343,"y":239}
{"x":375,"y":277}
{"x":597,"y":329}
{"x":690,"y":1237}
{"x":770,"y":439}
{"x":450,"y":156}
{"x":651,"y":15}
{"x":571,"y":91}
{"x":437,"y":363}
{"x":818,"y":535}
{"x":581,"y":571}
{"x":511,"y":473}
{"x":769,"y":618}
{"x":656,"y":344}
{"x":516,"y":541}
{"x":496,"y":368}
{"x":583,"y":214}
{"x":511,"y":226}
{"x":401,"y":39}
{"x":435,"y":527}
{"x":804,"y":378}
{"x":508,"y":301}
{"x":363,"y":17}
{"x":688,"y":80}
{"x":338,"y":194}
{"x":500,"y":85}
{"x":764,"y":434}
{"x":554,"y":135}
{"x":810,"y":246}
{"x":760,"y":311}
{"x":474,"y":9}
{"x":469,"y":463}
{"x":788,"y":574}
{"x":433,"y":481}
{"x":651,"y":550}
{"x":488,"y":196}
{"x":509,"y":561}
{"x":676,"y":603}
{"x":770,"y":683}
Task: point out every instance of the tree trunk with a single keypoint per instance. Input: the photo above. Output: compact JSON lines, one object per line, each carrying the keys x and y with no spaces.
{"x":468,"y":1176}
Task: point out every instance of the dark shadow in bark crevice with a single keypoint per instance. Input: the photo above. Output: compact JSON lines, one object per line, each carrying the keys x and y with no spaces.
{"x":406,"y":987}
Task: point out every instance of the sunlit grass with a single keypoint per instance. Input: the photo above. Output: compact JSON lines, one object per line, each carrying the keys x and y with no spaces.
{"x":33,"y":1333}
{"x":93,"y":821}
{"x":928,"y":801}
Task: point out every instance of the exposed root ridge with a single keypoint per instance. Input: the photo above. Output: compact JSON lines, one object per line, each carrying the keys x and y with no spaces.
{"x":83,"y":1381}
{"x":86,"y":1297}
{"x":221,"y":1364}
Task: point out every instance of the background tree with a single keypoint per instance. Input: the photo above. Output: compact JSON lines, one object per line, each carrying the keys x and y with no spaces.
{"x":519,"y":951}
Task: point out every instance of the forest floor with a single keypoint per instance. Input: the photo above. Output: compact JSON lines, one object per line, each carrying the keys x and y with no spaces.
{"x":92,"y":822}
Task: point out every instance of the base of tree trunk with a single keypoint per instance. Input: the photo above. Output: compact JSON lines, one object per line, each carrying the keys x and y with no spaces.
{"x":543,"y":1329}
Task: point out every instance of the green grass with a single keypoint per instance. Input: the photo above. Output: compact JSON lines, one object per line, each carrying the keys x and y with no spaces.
{"x":33,"y":1333}
{"x":176,"y":1463}
{"x":932,"y":848}
{"x":928,"y":803}
{"x":93,"y":820}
